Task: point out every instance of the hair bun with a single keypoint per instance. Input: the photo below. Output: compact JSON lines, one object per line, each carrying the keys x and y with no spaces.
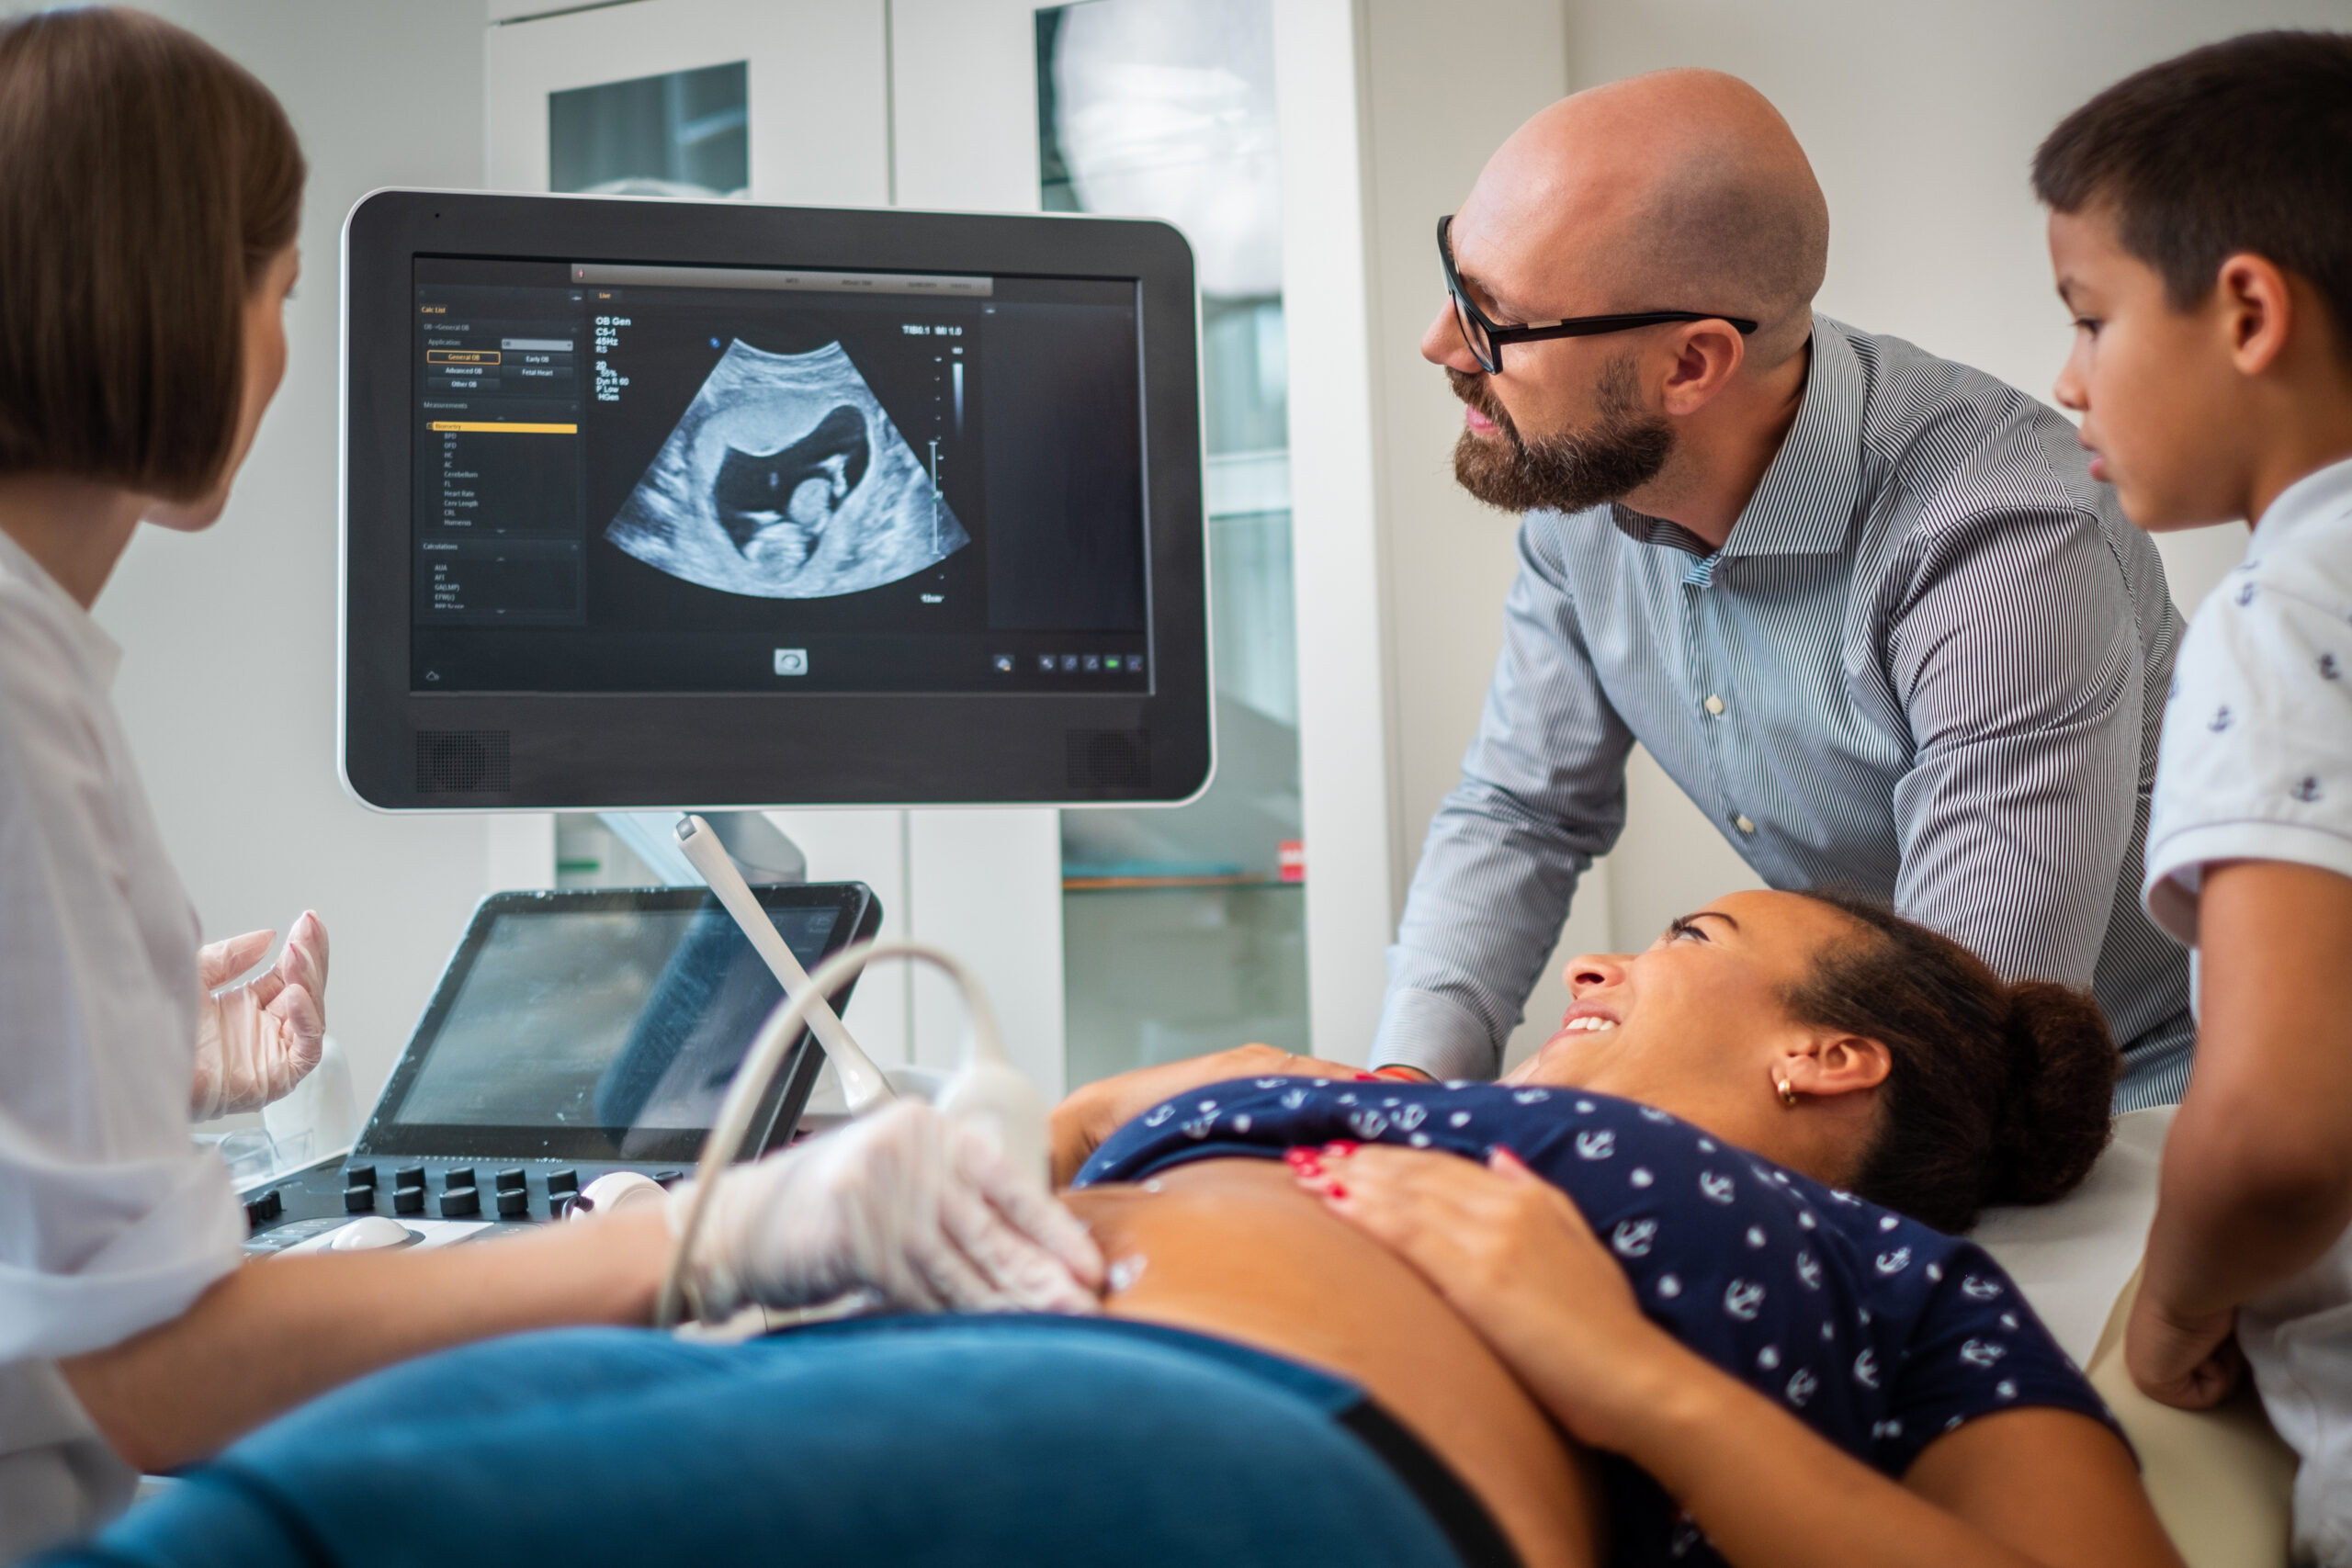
{"x":2055,"y":1118}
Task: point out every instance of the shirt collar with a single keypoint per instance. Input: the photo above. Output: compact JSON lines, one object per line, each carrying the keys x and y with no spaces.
{"x":1804,"y":504}
{"x":100,"y":653}
{"x":2324,"y":495}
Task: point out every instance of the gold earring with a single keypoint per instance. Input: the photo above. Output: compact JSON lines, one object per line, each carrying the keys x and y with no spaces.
{"x":1788,"y":1095}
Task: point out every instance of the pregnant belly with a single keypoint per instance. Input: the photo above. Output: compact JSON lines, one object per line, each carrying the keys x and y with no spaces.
{"x":1231,"y":1247}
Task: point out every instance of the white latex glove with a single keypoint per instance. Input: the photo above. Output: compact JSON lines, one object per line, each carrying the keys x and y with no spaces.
{"x":257,"y":1041}
{"x":917,"y":1208}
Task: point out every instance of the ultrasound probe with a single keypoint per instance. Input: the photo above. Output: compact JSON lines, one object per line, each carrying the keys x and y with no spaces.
{"x":863,"y":1085}
{"x":987,"y":1092}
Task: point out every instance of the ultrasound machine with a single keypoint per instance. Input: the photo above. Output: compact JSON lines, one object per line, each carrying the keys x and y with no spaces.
{"x":664,"y":506}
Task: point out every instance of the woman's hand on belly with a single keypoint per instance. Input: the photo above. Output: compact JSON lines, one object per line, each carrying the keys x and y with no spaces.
{"x":1513,"y":1256}
{"x":1094,"y":1111}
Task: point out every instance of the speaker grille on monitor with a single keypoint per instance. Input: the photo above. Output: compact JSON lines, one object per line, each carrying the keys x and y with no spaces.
{"x":462,"y":761}
{"x":1110,"y":759}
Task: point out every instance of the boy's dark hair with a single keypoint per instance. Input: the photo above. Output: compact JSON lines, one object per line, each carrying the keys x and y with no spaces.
{"x":1997,"y":1093}
{"x":146,"y":183}
{"x":2242,"y":145}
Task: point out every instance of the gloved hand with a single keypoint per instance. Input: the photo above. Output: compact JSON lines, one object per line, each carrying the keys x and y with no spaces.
{"x":257,"y":1041}
{"x":920,"y":1209}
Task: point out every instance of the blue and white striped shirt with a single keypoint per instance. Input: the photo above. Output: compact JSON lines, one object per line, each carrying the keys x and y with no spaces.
{"x":1929,"y":663}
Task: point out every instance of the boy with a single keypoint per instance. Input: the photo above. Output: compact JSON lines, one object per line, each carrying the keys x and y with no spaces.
{"x":2200,"y":228}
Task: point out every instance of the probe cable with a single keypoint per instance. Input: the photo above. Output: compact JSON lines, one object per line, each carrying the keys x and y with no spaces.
{"x":986,"y":1089}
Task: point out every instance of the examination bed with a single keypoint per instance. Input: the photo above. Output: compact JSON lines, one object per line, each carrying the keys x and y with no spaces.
{"x":2221,"y":1479}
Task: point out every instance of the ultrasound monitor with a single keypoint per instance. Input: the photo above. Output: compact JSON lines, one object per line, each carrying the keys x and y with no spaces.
{"x":659,"y":504}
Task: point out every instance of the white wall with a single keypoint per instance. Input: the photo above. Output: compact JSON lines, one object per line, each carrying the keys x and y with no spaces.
{"x":229,"y":672}
{"x":1921,"y":121}
{"x":1444,"y":85}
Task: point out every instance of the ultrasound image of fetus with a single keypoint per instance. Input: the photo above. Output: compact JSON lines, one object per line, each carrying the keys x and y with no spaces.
{"x":785,"y":479}
{"x":775,"y":504}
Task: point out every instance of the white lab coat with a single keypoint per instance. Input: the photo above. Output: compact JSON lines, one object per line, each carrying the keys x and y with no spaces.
{"x":111,"y":1221}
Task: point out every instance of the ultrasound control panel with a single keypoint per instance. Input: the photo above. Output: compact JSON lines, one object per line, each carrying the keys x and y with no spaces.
{"x":573,"y":1035}
{"x":440,"y":1202}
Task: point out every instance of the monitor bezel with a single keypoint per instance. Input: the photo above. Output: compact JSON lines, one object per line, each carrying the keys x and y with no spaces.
{"x":634,"y":750}
{"x":858,"y":915}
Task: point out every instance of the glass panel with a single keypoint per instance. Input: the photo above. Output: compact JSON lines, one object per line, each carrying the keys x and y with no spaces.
{"x":1186,"y":929}
{"x":685,"y":135}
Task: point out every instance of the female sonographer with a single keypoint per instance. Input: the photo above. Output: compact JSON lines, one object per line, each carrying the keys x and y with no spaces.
{"x":149,"y":194}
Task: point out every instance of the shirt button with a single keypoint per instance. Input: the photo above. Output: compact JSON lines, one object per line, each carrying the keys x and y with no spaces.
{"x":1743,"y":824}
{"x":1714,"y":705}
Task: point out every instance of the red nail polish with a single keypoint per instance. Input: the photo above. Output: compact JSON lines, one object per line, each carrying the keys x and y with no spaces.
{"x":1367,"y":1078}
{"x":1336,"y":1190}
{"x":1341,"y":1147}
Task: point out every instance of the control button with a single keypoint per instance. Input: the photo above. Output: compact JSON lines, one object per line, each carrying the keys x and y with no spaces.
{"x":360,"y":1176}
{"x":563,"y":1181}
{"x":513,"y":1181}
{"x":1093,"y":663}
{"x":460,"y":1202}
{"x":409,"y":1176}
{"x":513,"y":1204}
{"x":358,"y":1199}
{"x":371,"y":1234}
{"x":1001,"y":663}
{"x":559,"y":1204}
{"x":1743,"y":824}
{"x":408,"y":1199}
{"x":1714,"y":705}
{"x":260,"y":1211}
{"x":792,"y":661}
{"x":669,"y":1177}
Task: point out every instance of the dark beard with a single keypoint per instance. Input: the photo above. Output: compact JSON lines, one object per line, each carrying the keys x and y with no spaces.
{"x":1623,"y":451}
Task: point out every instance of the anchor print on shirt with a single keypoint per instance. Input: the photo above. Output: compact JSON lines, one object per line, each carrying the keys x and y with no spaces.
{"x":1894,"y":1262}
{"x":1743,"y":1299}
{"x":1714,"y":1187}
{"x":1632,"y":1238}
{"x":2308,"y":791}
{"x":1981,"y":1353}
{"x":1596,"y":1144}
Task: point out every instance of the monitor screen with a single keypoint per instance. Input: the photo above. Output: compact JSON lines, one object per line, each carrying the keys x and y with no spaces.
{"x":667,"y":504}
{"x":748,"y":480}
{"x":600,"y":1025}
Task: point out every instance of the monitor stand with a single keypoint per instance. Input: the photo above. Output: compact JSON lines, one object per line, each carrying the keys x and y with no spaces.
{"x":761,"y":849}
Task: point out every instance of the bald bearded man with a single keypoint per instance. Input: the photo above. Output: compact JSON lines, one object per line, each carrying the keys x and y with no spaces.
{"x":1866,"y":606}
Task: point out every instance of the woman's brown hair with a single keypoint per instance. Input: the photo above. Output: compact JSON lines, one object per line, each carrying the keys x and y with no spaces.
{"x":146,"y":183}
{"x":1997,"y":1093}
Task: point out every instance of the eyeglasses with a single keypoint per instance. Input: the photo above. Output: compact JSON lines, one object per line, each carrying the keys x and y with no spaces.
{"x":1485,"y":338}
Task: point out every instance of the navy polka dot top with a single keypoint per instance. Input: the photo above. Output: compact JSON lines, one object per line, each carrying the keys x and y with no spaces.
{"x":1879,"y":1332}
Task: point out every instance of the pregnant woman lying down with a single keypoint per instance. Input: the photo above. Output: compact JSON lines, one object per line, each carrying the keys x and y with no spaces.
{"x":1679,"y":1290}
